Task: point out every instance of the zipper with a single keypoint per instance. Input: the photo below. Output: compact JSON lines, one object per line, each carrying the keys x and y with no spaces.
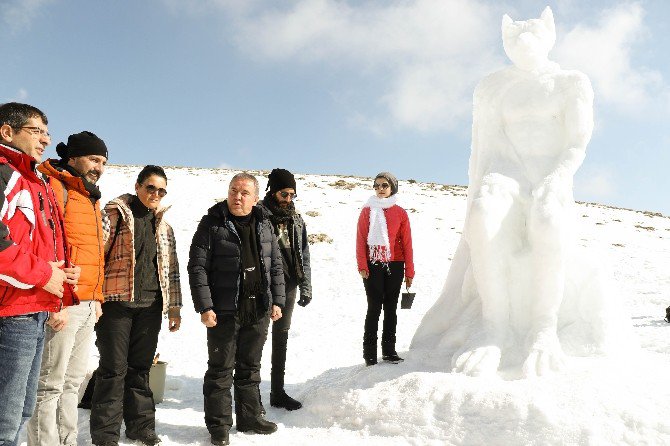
{"x":41,"y":200}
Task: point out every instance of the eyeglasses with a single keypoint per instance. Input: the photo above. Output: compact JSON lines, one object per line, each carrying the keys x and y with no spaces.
{"x":384,"y":186}
{"x":285,"y":194}
{"x":35,"y":131}
{"x":153,"y":189}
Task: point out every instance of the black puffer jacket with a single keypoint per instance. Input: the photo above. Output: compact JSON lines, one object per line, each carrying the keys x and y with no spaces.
{"x":214,"y":264}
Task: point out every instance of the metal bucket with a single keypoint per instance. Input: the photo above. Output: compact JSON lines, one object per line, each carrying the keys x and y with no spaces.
{"x":157,"y":376}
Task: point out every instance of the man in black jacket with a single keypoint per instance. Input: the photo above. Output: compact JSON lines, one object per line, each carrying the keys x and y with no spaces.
{"x":291,"y":233}
{"x":237,"y":284}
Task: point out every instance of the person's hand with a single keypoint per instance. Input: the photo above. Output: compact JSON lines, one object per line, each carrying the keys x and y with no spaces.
{"x":58,"y":321}
{"x":408,"y":281}
{"x":276,"y":313}
{"x":364,"y":274}
{"x":55,"y":283}
{"x":208,"y":318}
{"x":304,"y":300}
{"x":72,"y":274}
{"x":98,"y":311}
{"x":174,"y":319}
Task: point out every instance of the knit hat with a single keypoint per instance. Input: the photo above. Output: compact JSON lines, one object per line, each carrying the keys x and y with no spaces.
{"x":280,"y":179}
{"x":393,"y":181}
{"x":81,"y":144}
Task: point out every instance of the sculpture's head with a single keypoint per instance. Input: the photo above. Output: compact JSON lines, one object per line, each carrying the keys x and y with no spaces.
{"x":527,"y":43}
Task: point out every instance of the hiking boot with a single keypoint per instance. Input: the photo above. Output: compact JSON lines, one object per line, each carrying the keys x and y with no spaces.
{"x":148,"y":437}
{"x":281,"y":399}
{"x":370,"y":361}
{"x":394,"y":358}
{"x":221,"y":440}
{"x":258,"y":426}
{"x":107,"y":443}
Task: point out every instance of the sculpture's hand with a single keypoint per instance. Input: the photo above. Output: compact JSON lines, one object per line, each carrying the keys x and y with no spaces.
{"x":556,"y":188}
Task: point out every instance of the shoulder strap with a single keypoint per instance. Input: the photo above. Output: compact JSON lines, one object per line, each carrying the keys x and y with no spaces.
{"x":55,"y":185}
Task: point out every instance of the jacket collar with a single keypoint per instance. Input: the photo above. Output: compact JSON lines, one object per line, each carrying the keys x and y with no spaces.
{"x":221,"y":210}
{"x":67,"y":175}
{"x":22,"y":162}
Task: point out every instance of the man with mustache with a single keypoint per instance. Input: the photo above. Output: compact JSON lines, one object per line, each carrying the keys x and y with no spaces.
{"x":65,"y":358}
{"x":291,"y":233}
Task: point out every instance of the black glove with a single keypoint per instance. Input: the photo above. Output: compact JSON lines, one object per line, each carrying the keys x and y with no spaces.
{"x":304,"y":300}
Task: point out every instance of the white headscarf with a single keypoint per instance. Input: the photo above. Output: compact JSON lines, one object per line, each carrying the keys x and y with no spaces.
{"x":378,"y":234}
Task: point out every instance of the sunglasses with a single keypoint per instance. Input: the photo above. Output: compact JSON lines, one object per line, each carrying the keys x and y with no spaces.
{"x":285,"y":194}
{"x":384,"y":186}
{"x":153,"y":189}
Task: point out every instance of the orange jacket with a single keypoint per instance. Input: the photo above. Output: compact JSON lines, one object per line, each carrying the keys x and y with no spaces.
{"x":83,"y":227}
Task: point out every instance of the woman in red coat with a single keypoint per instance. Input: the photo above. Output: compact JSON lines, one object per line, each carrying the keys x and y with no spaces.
{"x":384,"y":255}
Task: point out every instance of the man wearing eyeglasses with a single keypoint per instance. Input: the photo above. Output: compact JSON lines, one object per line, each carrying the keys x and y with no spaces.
{"x":292,"y":236}
{"x":66,"y":352}
{"x":36,"y":278}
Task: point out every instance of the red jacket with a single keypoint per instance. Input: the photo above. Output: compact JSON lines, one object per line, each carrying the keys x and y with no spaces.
{"x":31,"y":235}
{"x":400,"y":238}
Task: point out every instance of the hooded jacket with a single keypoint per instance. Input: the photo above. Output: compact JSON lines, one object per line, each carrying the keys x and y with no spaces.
{"x":118,"y":228}
{"x":31,"y":235}
{"x":215,"y":266}
{"x":83,"y":226}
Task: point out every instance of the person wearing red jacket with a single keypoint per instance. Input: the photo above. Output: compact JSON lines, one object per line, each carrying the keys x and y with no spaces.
{"x":35,"y":281}
{"x":384,"y":256}
{"x":65,"y":357}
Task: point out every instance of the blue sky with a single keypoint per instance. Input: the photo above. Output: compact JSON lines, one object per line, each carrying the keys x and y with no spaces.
{"x":326,"y":86}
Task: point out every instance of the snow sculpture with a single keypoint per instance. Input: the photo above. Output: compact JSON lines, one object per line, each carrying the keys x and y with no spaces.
{"x":514,"y":292}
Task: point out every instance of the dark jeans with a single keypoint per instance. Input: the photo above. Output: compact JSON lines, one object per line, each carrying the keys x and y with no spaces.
{"x":21,"y":345}
{"x":126,"y":339}
{"x":382,"y":288}
{"x":280,"y":330}
{"x":232,"y":346}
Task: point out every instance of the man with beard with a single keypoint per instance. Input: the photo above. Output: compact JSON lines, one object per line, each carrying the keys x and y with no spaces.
{"x":292,"y":235}
{"x":66,"y":352}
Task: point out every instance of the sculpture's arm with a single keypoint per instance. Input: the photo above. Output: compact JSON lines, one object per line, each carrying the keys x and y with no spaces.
{"x":578,"y":120}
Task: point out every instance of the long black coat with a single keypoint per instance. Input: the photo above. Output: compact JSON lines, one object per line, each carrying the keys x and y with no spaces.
{"x":215,"y":266}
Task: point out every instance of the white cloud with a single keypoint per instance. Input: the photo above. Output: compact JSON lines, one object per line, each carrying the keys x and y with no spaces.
{"x":595,"y":184}
{"x":414,"y":63}
{"x":21,"y":95}
{"x":605,"y":53}
{"x":424,"y":56}
{"x":223,"y":165}
{"x":17,"y":14}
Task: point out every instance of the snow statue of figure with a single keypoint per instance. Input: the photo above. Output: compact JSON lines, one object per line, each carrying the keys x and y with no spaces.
{"x":513,"y":295}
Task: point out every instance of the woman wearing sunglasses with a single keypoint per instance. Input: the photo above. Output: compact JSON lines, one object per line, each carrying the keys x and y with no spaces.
{"x":384,"y":257}
{"x":141,"y":283}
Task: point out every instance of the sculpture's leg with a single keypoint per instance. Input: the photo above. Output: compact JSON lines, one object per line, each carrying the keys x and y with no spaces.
{"x":549,"y":230}
{"x":492,"y":235}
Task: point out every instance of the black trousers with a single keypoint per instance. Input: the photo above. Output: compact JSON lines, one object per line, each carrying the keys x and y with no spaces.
{"x":233,"y":347}
{"x":382,"y":288}
{"x":280,"y":330}
{"x":126,"y":339}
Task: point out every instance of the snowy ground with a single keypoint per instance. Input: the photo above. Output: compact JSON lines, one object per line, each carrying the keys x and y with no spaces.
{"x":595,"y":402}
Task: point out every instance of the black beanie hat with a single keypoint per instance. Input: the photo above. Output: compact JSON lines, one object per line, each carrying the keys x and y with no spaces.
{"x":81,"y":144}
{"x":280,"y":179}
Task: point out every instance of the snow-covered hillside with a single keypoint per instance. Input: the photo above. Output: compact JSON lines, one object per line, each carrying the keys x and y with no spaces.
{"x":596,"y":401}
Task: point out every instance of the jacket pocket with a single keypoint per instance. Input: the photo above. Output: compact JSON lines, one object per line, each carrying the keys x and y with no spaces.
{"x":74,"y":251}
